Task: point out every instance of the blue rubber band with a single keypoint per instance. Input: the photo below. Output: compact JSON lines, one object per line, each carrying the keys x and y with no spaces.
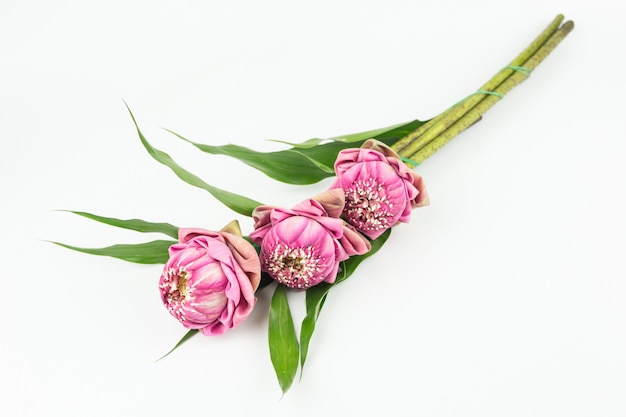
{"x":523,"y":70}
{"x":409,"y":161}
{"x":491,"y":93}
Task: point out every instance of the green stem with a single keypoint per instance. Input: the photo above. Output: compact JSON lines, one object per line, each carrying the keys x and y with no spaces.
{"x":424,"y":141}
{"x":488,"y":101}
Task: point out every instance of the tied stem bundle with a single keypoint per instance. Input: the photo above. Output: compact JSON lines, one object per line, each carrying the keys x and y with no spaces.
{"x":423,"y":142}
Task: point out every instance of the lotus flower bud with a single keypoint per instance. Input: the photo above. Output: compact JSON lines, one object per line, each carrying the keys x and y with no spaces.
{"x":209,"y":281}
{"x":303,"y":246}
{"x":380,"y":190}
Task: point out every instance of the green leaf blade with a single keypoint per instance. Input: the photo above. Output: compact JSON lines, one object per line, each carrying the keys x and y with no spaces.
{"x":350,"y":265}
{"x":240,"y":204}
{"x":154,"y":252}
{"x":308,"y":162}
{"x":137,"y":225}
{"x":316,"y":296}
{"x":279,"y":165}
{"x":186,"y":337}
{"x":283,"y":342}
{"x":355,"y":137}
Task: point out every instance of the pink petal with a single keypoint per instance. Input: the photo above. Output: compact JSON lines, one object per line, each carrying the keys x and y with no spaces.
{"x":353,"y":242}
{"x":332,"y":201}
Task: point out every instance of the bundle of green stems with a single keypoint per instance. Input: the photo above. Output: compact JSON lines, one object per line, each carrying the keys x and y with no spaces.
{"x":423,"y":142}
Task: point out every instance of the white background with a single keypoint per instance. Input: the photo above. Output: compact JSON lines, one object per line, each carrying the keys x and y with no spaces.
{"x":505,"y":297}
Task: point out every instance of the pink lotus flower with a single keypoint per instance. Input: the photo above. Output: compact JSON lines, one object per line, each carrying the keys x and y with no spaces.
{"x":380,"y":189}
{"x":210,"y":279}
{"x":303,"y":246}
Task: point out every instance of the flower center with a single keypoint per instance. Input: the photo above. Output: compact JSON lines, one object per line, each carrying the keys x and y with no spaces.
{"x":182,"y":284}
{"x":174,"y":288}
{"x":367,"y":205}
{"x":293,"y":267}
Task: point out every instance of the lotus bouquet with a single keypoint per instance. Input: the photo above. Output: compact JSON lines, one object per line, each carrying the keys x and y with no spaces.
{"x":211,"y":276}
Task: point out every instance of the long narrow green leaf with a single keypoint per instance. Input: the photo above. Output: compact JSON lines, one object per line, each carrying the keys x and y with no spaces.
{"x":316,"y":296}
{"x":349,"y":138}
{"x":132,"y":224}
{"x":309,"y":162}
{"x":351,"y":264}
{"x":240,"y":204}
{"x":282,"y":338}
{"x":186,"y":337}
{"x":292,"y":164}
{"x":327,"y":153}
{"x":154,"y":252}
